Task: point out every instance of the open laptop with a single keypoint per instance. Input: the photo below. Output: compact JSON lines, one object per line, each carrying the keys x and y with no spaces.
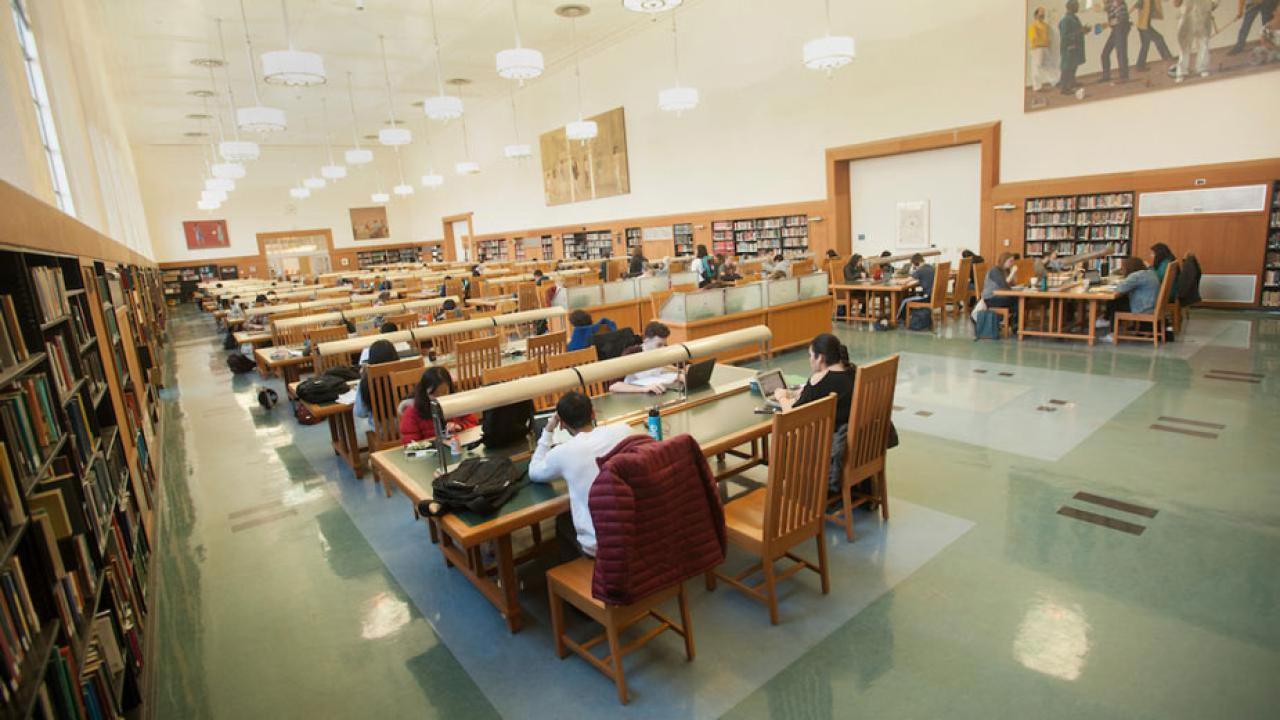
{"x":770,"y":381}
{"x":698,"y":375}
{"x":1093,"y":277}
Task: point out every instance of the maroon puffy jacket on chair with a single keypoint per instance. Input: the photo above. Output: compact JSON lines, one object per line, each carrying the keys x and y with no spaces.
{"x":658,"y":518}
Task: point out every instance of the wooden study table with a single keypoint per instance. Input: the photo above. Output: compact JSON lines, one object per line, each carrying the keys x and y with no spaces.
{"x":1056,"y":320}
{"x":720,"y":417}
{"x":873,"y":291}
{"x":288,"y":365}
{"x":342,"y":427}
{"x":252,"y":337}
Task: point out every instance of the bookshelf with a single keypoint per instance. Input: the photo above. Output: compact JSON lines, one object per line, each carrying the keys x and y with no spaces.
{"x":1271,"y":260}
{"x":682,"y":235}
{"x":597,"y":244}
{"x":368,"y":258}
{"x":182,"y":282}
{"x":1077,"y":224}
{"x":548,"y":247}
{"x":79,"y":372}
{"x":635,"y":239}
{"x":722,"y":238}
{"x":493,"y":250}
{"x":785,"y":234}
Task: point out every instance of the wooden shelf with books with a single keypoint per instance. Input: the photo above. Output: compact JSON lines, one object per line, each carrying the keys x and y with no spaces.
{"x":76,"y":480}
{"x":1078,"y":224}
{"x":494,"y":250}
{"x":1271,"y":259}
{"x":682,"y":238}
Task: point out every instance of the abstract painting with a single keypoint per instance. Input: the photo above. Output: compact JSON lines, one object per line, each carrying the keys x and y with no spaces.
{"x":206,"y":234}
{"x":574,"y":171}
{"x":369,"y":223}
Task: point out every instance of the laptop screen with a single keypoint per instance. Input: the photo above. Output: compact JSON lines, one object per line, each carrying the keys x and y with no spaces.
{"x":770,"y":381}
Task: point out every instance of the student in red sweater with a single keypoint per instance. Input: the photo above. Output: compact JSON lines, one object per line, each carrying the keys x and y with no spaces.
{"x":415,"y":412}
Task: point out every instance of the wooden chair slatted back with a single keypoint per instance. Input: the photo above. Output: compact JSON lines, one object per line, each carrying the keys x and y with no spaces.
{"x":979,"y":278}
{"x":941,"y":276}
{"x":472,"y":358}
{"x":1162,"y":300}
{"x":657,"y":300}
{"x":515,"y":371}
{"x":385,"y":397}
{"x":801,"y":267}
{"x":964,"y":276}
{"x":799,"y":460}
{"x":564,"y":361}
{"x":453,"y":287}
{"x":528,"y":296}
{"x":403,"y":321}
{"x":870,"y":412}
{"x":543,"y":347}
{"x":328,"y":333}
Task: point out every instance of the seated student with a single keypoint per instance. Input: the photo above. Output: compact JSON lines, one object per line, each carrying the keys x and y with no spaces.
{"x":1138,"y":291}
{"x":831,"y":373}
{"x":878,"y":269}
{"x":385,"y":329}
{"x":832,"y":254}
{"x":235,"y":312}
{"x":584,"y":329}
{"x":415,"y":412}
{"x":1161,"y":259}
{"x":381,"y":351}
{"x":973,"y":257}
{"x":549,"y":296}
{"x":636,"y":264}
{"x":538,"y":278}
{"x":781,"y":265}
{"x":1052,"y":263}
{"x":448,"y":309}
{"x":575,"y":459}
{"x":1001,"y":277}
{"x":729,"y":272}
{"x":702,"y":266}
{"x":655,"y":337}
{"x":853,"y":270}
{"x":923,"y":273}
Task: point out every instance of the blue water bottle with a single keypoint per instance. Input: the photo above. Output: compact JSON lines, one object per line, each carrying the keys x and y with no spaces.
{"x":655,"y":424}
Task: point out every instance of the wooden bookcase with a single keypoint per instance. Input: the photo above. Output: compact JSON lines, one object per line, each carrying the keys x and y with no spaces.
{"x":596,"y":244}
{"x":1077,"y":224}
{"x":79,"y":373}
{"x":493,"y":250}
{"x":1271,"y":261}
{"x":369,"y":258}
{"x":683,"y":238}
{"x":785,"y":234}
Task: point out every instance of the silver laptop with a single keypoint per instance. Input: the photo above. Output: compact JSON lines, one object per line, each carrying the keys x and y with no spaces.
{"x":770,"y":381}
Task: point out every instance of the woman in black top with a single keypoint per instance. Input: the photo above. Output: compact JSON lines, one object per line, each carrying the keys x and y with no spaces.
{"x":832,"y":373}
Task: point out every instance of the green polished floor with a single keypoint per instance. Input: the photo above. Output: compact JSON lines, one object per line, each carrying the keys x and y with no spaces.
{"x":271,"y":603}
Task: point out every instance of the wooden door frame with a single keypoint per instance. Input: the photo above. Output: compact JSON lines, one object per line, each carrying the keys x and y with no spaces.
{"x":263,"y":237}
{"x":986,"y":135}
{"x":450,"y":247}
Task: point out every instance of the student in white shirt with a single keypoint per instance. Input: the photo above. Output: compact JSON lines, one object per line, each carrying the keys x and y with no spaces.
{"x":575,"y":459}
{"x":647,"y":381}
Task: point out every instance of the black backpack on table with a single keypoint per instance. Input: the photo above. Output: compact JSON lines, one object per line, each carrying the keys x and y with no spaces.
{"x":478,"y":485}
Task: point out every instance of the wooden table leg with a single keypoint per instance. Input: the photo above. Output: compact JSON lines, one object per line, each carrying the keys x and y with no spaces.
{"x":335,"y":436}
{"x":1022,"y":314}
{"x":351,"y":443}
{"x":1093,"y":321}
{"x":507,"y":578}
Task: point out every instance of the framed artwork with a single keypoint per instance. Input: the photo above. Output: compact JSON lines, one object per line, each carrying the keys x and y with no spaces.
{"x":913,"y":225}
{"x":1084,"y":50}
{"x":206,"y":234}
{"x":574,"y":171}
{"x":369,"y":223}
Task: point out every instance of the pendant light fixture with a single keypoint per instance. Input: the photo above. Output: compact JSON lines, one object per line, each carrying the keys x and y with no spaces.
{"x":394,"y":135}
{"x":356,"y":155}
{"x":516,"y":150}
{"x":677,"y":99}
{"x":216,"y":183}
{"x":519,"y":63}
{"x":207,"y":205}
{"x":218,"y":196}
{"x":403,"y":188}
{"x":431,"y":179}
{"x":222,"y":170}
{"x":331,"y":171}
{"x":440,"y":107}
{"x":828,"y":52}
{"x":299,"y":193}
{"x":233,"y":151}
{"x":258,"y":117}
{"x":294,"y":68}
{"x":314,"y":183}
{"x":651,"y":6}
{"x":581,"y":130}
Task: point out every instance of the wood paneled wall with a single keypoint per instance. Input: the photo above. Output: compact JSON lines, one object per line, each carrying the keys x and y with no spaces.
{"x":29,"y":222}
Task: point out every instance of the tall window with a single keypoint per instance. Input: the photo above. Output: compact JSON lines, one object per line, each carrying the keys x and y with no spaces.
{"x":44,"y":113}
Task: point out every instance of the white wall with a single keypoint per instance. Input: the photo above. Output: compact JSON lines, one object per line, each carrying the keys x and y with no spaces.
{"x":948,"y":178}
{"x":95,"y":149}
{"x":764,"y":122}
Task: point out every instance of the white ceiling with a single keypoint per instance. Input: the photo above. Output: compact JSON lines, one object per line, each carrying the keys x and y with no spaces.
{"x":150,"y":45}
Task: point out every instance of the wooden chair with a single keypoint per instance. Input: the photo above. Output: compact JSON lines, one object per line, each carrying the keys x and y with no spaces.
{"x":937,"y":296}
{"x":657,"y":300}
{"x":980,"y":281}
{"x":961,"y":290}
{"x":388,"y":384}
{"x":403,"y":321}
{"x":543,"y":347}
{"x":473,"y":357}
{"x":564,"y":361}
{"x":572,"y":582}
{"x":328,"y":333}
{"x":867,"y":445}
{"x":514,"y":371}
{"x":801,"y":267}
{"x":1176,"y":311}
{"x":1156,"y":318}
{"x":453,"y":288}
{"x":528,"y":297}
{"x":772,"y":520}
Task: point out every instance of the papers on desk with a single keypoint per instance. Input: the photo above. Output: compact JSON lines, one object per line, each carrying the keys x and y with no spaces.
{"x":348,"y":397}
{"x":649,"y":380}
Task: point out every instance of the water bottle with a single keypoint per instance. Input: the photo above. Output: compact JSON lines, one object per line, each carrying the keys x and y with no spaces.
{"x":655,"y":424}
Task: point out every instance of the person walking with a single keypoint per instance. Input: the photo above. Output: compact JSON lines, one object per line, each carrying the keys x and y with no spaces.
{"x":1117,"y":40}
{"x":1148,"y":11}
{"x":1071,"y":35}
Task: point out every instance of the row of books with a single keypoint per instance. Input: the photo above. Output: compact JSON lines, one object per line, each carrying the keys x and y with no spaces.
{"x":51,"y":293}
{"x":88,"y":693}
{"x":19,"y":626}
{"x":1106,"y":200}
{"x":1051,"y":204}
{"x":13,"y":348}
{"x":1271,"y":297}
{"x":60,"y":363}
{"x":30,"y":423}
{"x":1271,"y":278}
{"x":82,"y":427}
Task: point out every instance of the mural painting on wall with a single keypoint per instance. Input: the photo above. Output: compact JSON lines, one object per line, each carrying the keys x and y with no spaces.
{"x":369,"y":223}
{"x":574,"y":171}
{"x":206,"y":234}
{"x":1084,"y":50}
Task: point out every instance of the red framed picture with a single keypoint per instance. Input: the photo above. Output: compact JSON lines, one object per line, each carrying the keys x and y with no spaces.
{"x":206,"y":234}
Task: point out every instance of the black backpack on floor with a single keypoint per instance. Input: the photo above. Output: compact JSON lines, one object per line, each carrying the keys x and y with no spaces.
{"x":239,"y":364}
{"x":478,"y":485}
{"x":229,"y":342}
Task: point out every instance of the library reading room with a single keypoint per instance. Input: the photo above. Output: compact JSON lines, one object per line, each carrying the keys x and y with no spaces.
{"x":352,"y":364}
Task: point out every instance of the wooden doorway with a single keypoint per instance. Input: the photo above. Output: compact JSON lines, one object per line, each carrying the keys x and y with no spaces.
{"x":451,"y":238}
{"x":289,"y":248}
